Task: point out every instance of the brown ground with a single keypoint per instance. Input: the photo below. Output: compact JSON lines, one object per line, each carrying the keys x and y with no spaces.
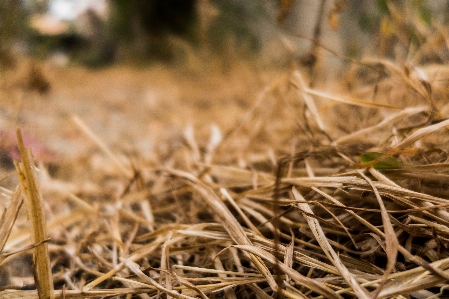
{"x":132,"y":110}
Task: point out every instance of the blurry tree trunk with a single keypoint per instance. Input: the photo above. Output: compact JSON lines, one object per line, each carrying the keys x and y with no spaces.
{"x":142,"y":26}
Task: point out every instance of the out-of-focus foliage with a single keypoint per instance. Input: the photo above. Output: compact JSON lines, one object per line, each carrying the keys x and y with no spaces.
{"x":12,"y":19}
{"x":394,"y":29}
{"x":177,"y":30}
{"x":143,"y":28}
{"x":398,"y":25}
{"x":232,"y":23}
{"x":12,"y":26}
{"x":166,"y":30}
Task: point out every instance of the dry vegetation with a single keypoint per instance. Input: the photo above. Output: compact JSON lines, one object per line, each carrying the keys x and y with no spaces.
{"x":231,"y":184}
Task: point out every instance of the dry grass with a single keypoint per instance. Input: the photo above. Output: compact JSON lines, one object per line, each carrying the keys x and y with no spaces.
{"x":230,"y":218}
{"x":294,"y":191}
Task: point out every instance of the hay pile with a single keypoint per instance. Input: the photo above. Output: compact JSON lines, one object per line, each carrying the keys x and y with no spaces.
{"x":310,"y":194}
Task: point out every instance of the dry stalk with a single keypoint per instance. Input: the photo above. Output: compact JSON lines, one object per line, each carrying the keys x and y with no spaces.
{"x":35,"y":208}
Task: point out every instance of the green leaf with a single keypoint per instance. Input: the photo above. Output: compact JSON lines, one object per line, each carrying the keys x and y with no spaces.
{"x":383,"y":163}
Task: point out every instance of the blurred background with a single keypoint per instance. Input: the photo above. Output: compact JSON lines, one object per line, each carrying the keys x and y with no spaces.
{"x":269,"y":32}
{"x":138,"y":72}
